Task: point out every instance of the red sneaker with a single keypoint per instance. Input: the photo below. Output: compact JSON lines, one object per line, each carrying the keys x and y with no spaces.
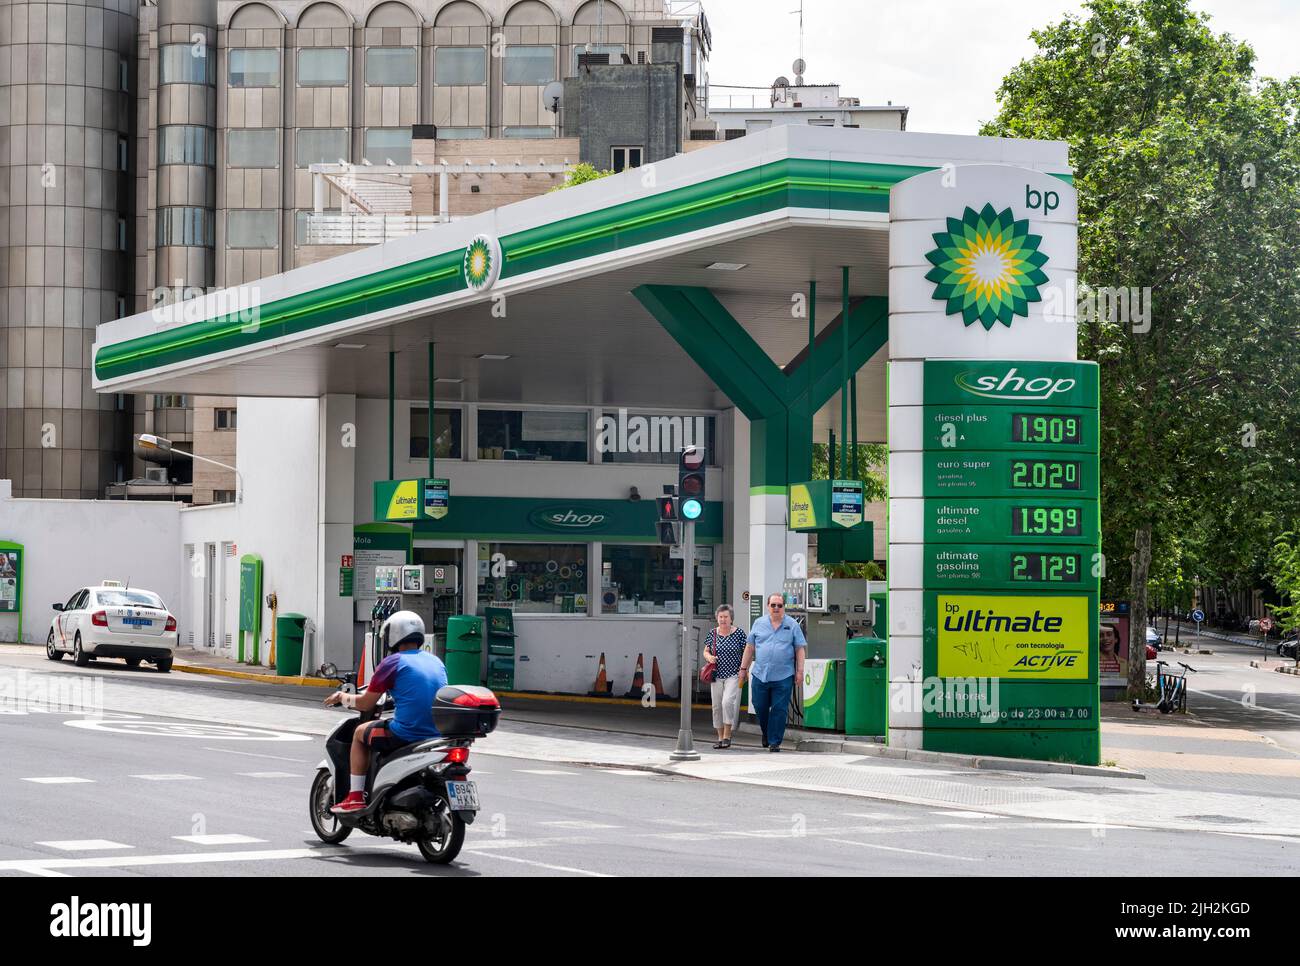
{"x":355,"y":802}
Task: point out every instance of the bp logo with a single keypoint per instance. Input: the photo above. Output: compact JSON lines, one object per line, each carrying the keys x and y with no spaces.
{"x":987,"y":267}
{"x":482,"y":262}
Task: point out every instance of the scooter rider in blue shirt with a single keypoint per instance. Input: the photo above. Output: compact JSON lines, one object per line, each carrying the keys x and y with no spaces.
{"x":775,"y":651}
{"x":414,"y":677}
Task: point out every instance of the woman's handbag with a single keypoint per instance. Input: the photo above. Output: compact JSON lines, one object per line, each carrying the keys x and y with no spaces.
{"x":706,"y":672}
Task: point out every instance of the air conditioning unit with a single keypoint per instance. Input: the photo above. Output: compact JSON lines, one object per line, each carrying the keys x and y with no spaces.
{"x":155,"y":474}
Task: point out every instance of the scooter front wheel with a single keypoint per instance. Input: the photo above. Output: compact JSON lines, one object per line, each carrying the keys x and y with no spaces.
{"x":325,"y":823}
{"x":442,"y":850}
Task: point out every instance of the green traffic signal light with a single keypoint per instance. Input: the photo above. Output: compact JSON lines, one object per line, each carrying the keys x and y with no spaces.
{"x":691,"y":509}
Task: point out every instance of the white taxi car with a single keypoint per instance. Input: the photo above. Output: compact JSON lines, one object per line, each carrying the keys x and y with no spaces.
{"x":113,"y":621}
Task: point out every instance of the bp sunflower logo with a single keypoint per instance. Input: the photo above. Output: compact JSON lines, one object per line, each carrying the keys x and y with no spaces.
{"x":987,"y":266}
{"x":482,"y":262}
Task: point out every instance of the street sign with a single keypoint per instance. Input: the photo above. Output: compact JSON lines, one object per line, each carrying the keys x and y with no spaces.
{"x":1198,"y":615}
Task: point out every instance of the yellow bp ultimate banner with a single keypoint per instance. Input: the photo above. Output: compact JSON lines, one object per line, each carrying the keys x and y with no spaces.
{"x":1013,"y":637}
{"x":802,"y":514}
{"x":405,"y":501}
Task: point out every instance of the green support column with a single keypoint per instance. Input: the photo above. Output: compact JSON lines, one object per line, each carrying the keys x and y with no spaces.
{"x":844,"y":372}
{"x":392,"y":406}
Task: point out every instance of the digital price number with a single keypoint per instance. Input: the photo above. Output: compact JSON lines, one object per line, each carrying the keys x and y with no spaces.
{"x":1045,"y":474}
{"x":1043,"y":428}
{"x":1046,"y":521}
{"x":1048,"y":568}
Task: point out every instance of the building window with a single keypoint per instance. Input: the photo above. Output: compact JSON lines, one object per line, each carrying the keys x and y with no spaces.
{"x":323,"y":67}
{"x":533,"y":66}
{"x":539,"y":578}
{"x":252,"y":228}
{"x":615,"y":52}
{"x":532,"y":434}
{"x":821,"y":121}
{"x":459,"y":66}
{"x":647,"y":579}
{"x":652,"y":438}
{"x":186,"y":226}
{"x":459,"y":133}
{"x":223,"y":496}
{"x":186,"y":64}
{"x":529,"y":132}
{"x":388,"y":144}
{"x":186,"y":144}
{"x":255,"y":67}
{"x":123,"y":155}
{"x":446,"y":431}
{"x":123,"y":76}
{"x":170,"y":401}
{"x":391,"y":67}
{"x":121,"y":234}
{"x":625,"y":157}
{"x":225,"y":418}
{"x":321,"y":145}
{"x":254,"y":148}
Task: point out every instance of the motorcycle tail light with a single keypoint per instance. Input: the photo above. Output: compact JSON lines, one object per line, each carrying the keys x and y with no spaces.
{"x":457,"y":756}
{"x":99,"y":618}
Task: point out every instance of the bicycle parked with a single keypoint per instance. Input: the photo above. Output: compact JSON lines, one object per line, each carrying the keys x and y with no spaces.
{"x":1172,"y":688}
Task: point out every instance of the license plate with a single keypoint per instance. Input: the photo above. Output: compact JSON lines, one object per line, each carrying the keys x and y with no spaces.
{"x":462,"y":796}
{"x":137,"y":621}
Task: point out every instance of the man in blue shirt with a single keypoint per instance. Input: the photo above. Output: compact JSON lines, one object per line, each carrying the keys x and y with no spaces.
{"x":775,"y":652}
{"x":414,"y":677}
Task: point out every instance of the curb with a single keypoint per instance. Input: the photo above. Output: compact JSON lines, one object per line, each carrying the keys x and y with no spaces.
{"x":988,"y":763}
{"x":221,"y":672}
{"x":1288,"y":669}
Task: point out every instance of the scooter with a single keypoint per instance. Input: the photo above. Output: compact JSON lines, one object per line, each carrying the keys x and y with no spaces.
{"x":419,"y":793}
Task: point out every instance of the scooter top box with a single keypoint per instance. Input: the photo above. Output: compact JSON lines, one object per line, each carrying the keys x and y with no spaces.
{"x":465,"y":711}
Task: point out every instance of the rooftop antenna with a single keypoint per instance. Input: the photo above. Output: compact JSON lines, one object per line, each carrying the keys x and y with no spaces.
{"x":799,"y":64}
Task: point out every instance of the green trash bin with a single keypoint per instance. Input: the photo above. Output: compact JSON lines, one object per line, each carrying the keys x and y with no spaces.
{"x":464,"y":652}
{"x":866,"y":687}
{"x":290,"y":629}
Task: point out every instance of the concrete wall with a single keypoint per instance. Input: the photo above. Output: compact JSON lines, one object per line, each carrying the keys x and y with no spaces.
{"x":633,"y":105}
{"x":70,"y":544}
{"x":200,"y":528}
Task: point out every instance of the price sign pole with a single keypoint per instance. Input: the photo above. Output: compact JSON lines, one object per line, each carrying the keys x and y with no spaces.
{"x":685,"y":750}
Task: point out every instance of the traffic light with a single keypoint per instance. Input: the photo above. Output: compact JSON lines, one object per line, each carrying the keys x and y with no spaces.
{"x":667,"y":508}
{"x":669,"y":533}
{"x":690,"y":483}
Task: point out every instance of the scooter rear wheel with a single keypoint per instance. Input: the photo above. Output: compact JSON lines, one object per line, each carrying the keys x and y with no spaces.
{"x":441,"y":851}
{"x":325,"y":823}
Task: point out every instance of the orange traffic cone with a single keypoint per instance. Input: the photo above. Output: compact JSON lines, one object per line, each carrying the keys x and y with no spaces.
{"x":638,"y":679}
{"x":657,"y":681}
{"x":602,"y":687}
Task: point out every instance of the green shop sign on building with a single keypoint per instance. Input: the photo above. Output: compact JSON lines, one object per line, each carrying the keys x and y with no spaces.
{"x":1010,"y":578}
{"x":530,"y":518}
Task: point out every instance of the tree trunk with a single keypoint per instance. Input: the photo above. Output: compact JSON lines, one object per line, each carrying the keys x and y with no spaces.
{"x":1137,"y":642}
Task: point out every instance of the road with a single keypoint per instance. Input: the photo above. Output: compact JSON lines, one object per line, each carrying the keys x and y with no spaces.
{"x":142,"y":794}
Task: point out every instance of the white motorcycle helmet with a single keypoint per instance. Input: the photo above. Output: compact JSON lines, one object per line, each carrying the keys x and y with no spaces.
{"x":401,"y":627}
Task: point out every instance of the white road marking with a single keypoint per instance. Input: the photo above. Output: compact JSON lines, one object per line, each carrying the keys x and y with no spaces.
{"x":544,"y":771}
{"x":958,"y":813}
{"x":541,"y":865}
{"x":85,"y":845}
{"x":253,"y":754}
{"x":879,"y":816}
{"x":578,"y":824}
{"x":268,"y":774}
{"x":1257,"y":707}
{"x":624,"y":771}
{"x":43,"y":866}
{"x":60,"y":780}
{"x":169,"y":778}
{"x":227,"y":839}
{"x":893,"y":848}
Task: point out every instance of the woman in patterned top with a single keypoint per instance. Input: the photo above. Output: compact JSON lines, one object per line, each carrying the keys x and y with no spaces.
{"x":723,"y":648}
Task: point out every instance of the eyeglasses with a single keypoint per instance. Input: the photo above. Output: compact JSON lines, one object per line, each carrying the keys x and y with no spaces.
{"x":776,"y":606}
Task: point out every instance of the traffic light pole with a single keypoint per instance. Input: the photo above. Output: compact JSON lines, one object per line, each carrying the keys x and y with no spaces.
{"x":685,"y":750}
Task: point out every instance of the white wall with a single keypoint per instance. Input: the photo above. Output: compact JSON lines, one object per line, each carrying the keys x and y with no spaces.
{"x":70,"y":544}
{"x":199,"y":526}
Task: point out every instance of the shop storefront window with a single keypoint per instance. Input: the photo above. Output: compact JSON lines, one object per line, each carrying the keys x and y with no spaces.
{"x":647,"y":579}
{"x":532,"y":434}
{"x":446,"y":430}
{"x":535,"y":578}
{"x":642,"y":437}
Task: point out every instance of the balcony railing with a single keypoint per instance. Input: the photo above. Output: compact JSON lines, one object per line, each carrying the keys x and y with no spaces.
{"x":338,"y":229}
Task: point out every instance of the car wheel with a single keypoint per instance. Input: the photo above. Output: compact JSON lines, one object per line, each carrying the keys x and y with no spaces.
{"x":325,"y":823}
{"x":163,"y":664}
{"x":79,"y":656}
{"x":132,"y":662}
{"x":52,"y":652}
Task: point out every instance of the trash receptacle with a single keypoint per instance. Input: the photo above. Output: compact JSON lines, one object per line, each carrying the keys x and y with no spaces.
{"x":823,"y":694}
{"x":866,"y":690}
{"x":290,"y":629}
{"x":464,"y":653}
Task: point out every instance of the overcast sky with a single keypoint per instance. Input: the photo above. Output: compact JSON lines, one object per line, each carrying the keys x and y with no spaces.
{"x":943,"y":59}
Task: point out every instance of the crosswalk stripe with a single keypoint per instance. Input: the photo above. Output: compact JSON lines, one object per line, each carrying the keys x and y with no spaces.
{"x":84,"y":845}
{"x":169,"y":778}
{"x":544,"y":771}
{"x":268,"y":774}
{"x":227,"y":839}
{"x":60,"y":780}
